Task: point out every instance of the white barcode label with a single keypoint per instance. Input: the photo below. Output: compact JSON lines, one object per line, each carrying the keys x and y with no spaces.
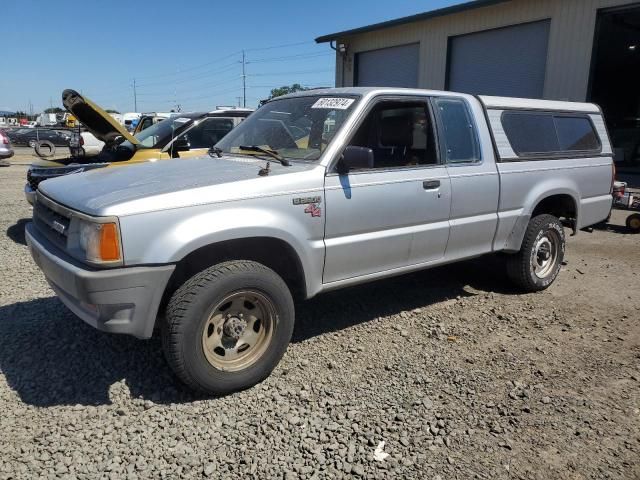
{"x":333,"y":103}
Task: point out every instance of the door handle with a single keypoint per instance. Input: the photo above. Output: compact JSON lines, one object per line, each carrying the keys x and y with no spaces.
{"x":431,"y":184}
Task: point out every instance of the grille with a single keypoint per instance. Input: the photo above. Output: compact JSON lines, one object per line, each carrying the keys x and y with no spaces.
{"x":37,"y":175}
{"x":52,"y":221}
{"x":32,"y":180}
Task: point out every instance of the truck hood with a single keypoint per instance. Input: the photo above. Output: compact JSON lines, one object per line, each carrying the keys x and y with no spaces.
{"x":95,"y":119}
{"x":160,"y":185}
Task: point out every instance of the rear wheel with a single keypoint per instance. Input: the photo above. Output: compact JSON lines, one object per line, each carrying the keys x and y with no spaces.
{"x":633,"y":223}
{"x":228,"y":327}
{"x":538,"y":262}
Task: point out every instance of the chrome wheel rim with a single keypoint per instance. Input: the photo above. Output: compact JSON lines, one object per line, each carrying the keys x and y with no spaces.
{"x":545,"y":255}
{"x":238,"y":330}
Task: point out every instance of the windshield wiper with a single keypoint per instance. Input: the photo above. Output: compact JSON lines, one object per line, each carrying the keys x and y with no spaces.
{"x":266,"y":151}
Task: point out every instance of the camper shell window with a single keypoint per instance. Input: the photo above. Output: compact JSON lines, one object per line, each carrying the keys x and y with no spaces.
{"x":547,"y":134}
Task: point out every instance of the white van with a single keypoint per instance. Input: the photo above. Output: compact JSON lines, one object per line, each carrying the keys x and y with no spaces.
{"x":47,"y":120}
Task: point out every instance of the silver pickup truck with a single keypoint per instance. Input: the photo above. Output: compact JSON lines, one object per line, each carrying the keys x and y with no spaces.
{"x":316,"y":191}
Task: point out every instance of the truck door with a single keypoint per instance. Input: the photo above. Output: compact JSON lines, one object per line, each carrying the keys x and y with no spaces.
{"x":466,"y":148}
{"x":396,"y":213}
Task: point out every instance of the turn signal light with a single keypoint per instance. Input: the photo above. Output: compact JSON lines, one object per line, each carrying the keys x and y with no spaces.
{"x":109,"y":244}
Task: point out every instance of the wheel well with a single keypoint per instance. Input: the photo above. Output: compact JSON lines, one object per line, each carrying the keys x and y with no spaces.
{"x":271,"y":252}
{"x":561,"y":206}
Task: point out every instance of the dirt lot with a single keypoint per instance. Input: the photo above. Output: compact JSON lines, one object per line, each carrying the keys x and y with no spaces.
{"x":26,"y":155}
{"x":460,"y":375}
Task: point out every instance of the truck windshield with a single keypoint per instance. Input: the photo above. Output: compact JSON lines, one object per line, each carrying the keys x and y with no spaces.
{"x":298,"y":128}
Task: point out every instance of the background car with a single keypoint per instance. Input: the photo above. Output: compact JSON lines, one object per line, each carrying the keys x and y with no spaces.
{"x":5,"y":148}
{"x":149,"y":119}
{"x":84,"y":143}
{"x":31,"y":136}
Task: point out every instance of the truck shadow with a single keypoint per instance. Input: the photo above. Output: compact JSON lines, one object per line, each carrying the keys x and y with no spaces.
{"x":16,"y":231}
{"x":344,"y":308}
{"x":49,"y":357}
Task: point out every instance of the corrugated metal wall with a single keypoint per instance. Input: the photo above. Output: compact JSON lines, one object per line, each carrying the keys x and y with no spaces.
{"x":570,"y":41}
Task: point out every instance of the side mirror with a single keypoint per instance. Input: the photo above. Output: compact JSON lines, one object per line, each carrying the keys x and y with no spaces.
{"x":181,"y":144}
{"x":354,"y":158}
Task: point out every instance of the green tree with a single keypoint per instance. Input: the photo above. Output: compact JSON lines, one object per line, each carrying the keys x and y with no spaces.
{"x":286,"y":89}
{"x":111,"y":110}
{"x":54,"y":110}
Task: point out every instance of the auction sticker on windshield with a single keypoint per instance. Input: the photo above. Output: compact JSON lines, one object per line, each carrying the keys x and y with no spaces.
{"x":333,"y":103}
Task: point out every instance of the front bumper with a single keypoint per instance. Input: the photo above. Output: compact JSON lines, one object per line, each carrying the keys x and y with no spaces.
{"x":30,"y":194}
{"x":119,"y":300}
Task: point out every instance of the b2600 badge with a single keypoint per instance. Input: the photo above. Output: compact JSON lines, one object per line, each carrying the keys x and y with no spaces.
{"x":306,"y":200}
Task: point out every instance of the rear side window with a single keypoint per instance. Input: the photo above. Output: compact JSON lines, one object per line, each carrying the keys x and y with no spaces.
{"x":576,"y":134}
{"x":460,"y":140}
{"x":539,"y":133}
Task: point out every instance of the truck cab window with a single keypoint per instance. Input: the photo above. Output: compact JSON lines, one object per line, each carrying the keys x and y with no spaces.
{"x":399,"y":133}
{"x":460,"y":142}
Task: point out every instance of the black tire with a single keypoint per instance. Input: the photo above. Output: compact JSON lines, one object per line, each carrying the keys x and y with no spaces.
{"x":45,"y":148}
{"x":188,"y":315}
{"x":520,"y":266}
{"x":633,"y":223}
{"x":32,"y":143}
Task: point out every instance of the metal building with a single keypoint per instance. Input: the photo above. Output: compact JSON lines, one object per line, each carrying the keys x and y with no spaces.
{"x":578,"y":50}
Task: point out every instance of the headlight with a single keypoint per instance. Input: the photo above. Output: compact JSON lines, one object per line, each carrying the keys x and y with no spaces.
{"x":96,"y":243}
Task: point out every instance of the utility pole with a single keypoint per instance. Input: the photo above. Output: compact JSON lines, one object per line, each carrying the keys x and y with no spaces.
{"x":135,"y":97}
{"x":239,"y":101}
{"x":244,"y":82}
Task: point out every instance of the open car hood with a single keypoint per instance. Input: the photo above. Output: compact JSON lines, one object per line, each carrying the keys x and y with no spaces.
{"x":96,"y":120}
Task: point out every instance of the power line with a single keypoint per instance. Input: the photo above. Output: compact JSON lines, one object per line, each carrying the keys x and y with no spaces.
{"x":289,"y":57}
{"x":196,"y":87}
{"x":303,"y":72}
{"x":189,"y":69}
{"x":285,"y":45}
{"x":211,"y":73}
{"x":196,"y":67}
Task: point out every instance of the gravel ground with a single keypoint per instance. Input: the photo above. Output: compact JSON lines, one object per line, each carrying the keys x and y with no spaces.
{"x":457,"y":373}
{"x":26,"y":155}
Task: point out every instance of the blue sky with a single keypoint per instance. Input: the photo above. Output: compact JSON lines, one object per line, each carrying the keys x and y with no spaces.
{"x":180,"y":52}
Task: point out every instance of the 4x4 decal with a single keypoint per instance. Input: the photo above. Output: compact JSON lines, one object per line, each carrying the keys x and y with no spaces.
{"x":314,"y":210}
{"x":312,"y":203}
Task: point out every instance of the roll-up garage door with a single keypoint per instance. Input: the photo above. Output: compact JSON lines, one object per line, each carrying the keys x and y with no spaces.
{"x":388,"y":67}
{"x":507,"y":61}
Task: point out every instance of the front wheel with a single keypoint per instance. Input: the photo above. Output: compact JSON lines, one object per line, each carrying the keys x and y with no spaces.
{"x":228,"y":327}
{"x":538,"y":262}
